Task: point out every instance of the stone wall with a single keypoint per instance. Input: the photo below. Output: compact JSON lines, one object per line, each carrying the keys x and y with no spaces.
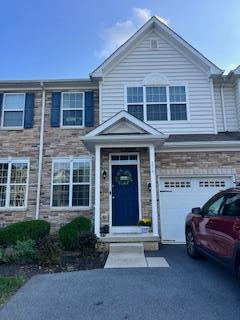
{"x":62,"y":142}
{"x":23,"y":143}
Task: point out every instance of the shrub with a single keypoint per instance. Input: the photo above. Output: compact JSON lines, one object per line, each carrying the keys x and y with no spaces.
{"x":86,"y":241}
{"x":21,"y":253}
{"x":49,"y":250}
{"x":20,"y":231}
{"x":68,"y":234}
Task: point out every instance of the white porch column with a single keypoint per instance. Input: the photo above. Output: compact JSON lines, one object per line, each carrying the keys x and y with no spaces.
{"x":97,"y":189}
{"x":153,"y":190}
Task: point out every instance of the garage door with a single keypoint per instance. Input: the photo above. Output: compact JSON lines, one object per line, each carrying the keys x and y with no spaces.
{"x":179,"y":195}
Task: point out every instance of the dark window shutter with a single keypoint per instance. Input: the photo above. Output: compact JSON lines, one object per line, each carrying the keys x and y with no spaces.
{"x":89,"y":111}
{"x":29,"y":110}
{"x":1,"y":102}
{"x":55,"y":110}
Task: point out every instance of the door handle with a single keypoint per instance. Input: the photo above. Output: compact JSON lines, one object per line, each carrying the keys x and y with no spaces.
{"x":113,"y":197}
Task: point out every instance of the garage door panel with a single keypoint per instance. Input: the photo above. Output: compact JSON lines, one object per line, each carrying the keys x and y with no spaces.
{"x":179,"y":195}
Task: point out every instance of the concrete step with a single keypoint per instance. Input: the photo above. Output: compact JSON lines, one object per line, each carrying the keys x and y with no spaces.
{"x":126,"y":248}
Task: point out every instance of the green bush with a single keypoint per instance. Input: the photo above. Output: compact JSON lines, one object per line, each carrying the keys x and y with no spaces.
{"x":21,"y":253}
{"x":20,"y":231}
{"x":49,"y":250}
{"x":68,"y":234}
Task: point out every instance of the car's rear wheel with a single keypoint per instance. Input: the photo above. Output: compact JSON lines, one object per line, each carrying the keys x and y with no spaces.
{"x":191,"y":245}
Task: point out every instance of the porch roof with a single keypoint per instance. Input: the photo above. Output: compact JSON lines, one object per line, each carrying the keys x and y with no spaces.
{"x":124,"y":129}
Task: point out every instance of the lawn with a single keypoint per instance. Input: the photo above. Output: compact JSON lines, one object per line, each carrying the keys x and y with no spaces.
{"x":8,"y":286}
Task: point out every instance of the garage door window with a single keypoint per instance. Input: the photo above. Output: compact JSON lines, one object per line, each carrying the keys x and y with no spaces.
{"x":211,"y":183}
{"x":177,"y":184}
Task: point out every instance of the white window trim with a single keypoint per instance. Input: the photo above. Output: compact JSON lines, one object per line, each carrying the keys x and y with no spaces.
{"x":8,"y":184}
{"x":71,"y":160}
{"x":144,"y":103}
{"x":62,"y":109}
{"x":11,"y":110}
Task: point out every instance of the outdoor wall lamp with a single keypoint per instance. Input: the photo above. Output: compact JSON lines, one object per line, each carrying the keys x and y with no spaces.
{"x":149,"y":186}
{"x":104,"y":174}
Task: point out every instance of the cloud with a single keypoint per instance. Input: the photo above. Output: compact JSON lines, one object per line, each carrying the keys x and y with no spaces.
{"x":114,"y":36}
{"x":229,"y":68}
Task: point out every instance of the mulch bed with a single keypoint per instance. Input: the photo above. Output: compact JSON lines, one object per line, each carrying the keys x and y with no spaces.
{"x":69,"y":262}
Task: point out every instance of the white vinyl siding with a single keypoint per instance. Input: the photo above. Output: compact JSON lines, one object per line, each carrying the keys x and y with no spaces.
{"x":237,"y":100}
{"x":230,"y":107}
{"x":168,"y":61}
{"x":218,"y":107}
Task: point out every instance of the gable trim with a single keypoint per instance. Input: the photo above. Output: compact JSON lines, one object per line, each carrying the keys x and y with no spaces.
{"x":150,"y":24}
{"x":124,"y":115}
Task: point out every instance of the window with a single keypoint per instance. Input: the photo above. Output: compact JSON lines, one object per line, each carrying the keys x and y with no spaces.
{"x":157,"y":103}
{"x":156,"y":98}
{"x":135,"y":102}
{"x":71,"y":183}
{"x":72,"y":109}
{"x":213,"y":207}
{"x":232,"y":205}
{"x":13,"y":110}
{"x":13,"y":184}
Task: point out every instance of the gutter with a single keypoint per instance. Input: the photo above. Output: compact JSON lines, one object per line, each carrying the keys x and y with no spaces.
{"x":40,"y":158}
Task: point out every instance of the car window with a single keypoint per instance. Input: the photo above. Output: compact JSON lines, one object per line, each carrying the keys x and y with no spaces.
{"x":213,"y":207}
{"x":232,"y":205}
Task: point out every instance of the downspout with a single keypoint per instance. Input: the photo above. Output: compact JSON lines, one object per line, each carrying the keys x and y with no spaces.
{"x":223,"y":106}
{"x":40,"y":158}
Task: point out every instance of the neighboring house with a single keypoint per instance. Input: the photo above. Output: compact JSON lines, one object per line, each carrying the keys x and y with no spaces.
{"x":154,"y":131}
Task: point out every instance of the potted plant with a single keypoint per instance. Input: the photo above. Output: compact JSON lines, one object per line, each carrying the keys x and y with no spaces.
{"x":145,"y":225}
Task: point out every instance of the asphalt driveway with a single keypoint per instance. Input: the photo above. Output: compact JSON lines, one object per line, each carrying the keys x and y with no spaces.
{"x":187,"y":290}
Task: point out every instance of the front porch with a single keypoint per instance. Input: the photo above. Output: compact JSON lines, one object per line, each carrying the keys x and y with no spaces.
{"x":125,"y":179}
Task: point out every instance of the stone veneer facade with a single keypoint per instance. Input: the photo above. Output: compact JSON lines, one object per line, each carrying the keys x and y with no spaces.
{"x":60,"y":142}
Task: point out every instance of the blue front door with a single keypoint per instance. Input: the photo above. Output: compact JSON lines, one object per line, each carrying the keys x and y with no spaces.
{"x":125,"y":207}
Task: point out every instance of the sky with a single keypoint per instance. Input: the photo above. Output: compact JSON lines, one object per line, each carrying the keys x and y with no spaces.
{"x":63,"y":39}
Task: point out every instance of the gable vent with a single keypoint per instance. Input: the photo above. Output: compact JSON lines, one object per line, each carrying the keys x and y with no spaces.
{"x":153,"y":44}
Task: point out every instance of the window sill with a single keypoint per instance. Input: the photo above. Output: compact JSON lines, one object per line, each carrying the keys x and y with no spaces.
{"x":70,"y":209}
{"x":12,"y":128}
{"x":72,"y":127}
{"x":3,"y":209}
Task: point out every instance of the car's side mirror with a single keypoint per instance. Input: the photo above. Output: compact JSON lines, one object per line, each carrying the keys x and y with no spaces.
{"x":197,"y":210}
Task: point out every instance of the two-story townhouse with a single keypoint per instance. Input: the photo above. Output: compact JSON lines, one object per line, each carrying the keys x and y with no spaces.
{"x":154,"y":131}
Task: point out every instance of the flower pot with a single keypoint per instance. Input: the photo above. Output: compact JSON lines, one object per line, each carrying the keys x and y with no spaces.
{"x":144,"y":229}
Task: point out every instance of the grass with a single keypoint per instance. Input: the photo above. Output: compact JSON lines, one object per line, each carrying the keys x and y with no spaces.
{"x":8,"y":286}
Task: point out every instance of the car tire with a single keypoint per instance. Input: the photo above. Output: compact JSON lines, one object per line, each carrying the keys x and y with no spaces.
{"x":191,"y":245}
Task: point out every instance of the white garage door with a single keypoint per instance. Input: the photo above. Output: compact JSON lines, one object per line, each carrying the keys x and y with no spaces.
{"x":179,"y":195}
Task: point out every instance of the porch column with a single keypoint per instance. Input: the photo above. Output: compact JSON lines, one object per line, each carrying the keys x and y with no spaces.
{"x":153,"y":190}
{"x":97,"y":190}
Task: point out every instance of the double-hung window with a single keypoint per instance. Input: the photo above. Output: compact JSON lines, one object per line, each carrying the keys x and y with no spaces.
{"x":13,"y":110}
{"x":72,"y":110}
{"x":135,"y":102}
{"x":13,"y":183}
{"x":71,"y":182}
{"x":157,"y":103}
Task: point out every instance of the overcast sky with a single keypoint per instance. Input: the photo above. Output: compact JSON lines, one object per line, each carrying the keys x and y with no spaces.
{"x":50,"y":39}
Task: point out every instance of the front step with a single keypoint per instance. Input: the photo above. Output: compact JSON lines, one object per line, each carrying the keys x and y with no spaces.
{"x":126,"y":255}
{"x":126,"y":248}
{"x":149,"y":241}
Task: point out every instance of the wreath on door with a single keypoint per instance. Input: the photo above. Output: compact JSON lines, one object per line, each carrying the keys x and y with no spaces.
{"x":123,"y":177}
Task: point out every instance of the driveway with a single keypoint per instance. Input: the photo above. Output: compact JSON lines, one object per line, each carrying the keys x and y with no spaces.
{"x":187,"y":290}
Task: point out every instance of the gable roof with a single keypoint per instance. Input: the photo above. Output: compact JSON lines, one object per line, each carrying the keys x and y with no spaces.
{"x":124,"y":115}
{"x":154,"y":22}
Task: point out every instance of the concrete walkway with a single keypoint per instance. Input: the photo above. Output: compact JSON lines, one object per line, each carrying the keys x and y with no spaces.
{"x":131,"y":255}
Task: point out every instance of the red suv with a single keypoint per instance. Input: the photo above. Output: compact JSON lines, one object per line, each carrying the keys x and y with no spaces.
{"x":214,"y":229}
